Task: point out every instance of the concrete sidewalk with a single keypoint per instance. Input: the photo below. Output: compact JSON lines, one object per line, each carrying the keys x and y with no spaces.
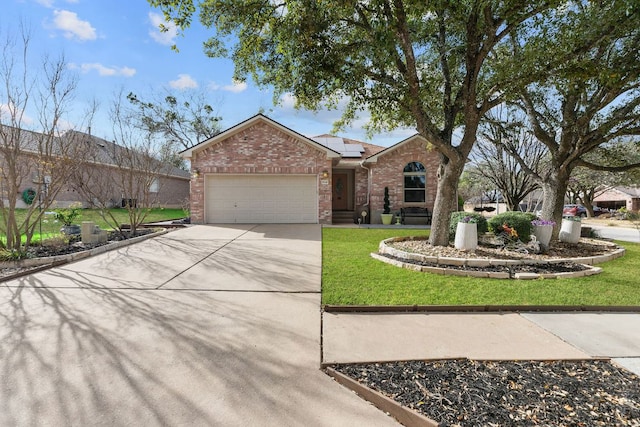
{"x":204,"y":326}
{"x":367,"y":337}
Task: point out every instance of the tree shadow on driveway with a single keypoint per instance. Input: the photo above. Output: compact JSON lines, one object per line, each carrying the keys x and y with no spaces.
{"x":105,"y":356}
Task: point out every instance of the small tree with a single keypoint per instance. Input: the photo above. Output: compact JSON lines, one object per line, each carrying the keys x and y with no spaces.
{"x":387,"y":205}
{"x":126,"y":172}
{"x":33,"y":155}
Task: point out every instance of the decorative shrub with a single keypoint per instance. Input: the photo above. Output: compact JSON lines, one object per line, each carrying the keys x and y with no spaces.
{"x":518,"y":221}
{"x":457,"y":217}
{"x":387,"y":207}
{"x":67,"y":215}
{"x":12,"y":254}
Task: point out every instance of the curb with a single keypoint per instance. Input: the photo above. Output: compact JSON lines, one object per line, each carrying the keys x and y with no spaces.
{"x":402,"y":414}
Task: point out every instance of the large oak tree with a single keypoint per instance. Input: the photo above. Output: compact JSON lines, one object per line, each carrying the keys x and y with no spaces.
{"x":587,"y":91}
{"x":428,"y":65}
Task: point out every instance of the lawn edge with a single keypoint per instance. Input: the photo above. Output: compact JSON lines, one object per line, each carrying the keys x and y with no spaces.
{"x":329,"y":308}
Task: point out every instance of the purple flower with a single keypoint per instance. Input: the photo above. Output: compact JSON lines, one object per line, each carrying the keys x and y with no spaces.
{"x":538,"y":222}
{"x":469,"y":219}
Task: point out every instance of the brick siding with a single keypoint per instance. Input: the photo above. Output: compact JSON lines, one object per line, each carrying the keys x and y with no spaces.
{"x":260,"y":149}
{"x":389,"y":172}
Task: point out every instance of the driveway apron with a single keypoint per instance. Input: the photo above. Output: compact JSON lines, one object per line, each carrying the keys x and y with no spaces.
{"x":203,"y":326}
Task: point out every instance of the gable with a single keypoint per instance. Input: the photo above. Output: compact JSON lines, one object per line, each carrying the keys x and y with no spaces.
{"x":260,"y":147}
{"x":260,"y":134}
{"x":409,"y":145}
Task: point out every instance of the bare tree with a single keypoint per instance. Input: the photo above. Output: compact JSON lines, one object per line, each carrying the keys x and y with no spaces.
{"x":35,"y":161}
{"x":125,"y":172}
{"x":494,"y":163}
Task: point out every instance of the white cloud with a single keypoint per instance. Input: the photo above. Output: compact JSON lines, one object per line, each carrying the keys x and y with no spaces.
{"x":184,"y":81}
{"x":162,"y":37}
{"x":103,"y":70}
{"x":9,"y":111}
{"x":235,"y":86}
{"x":49,"y":3}
{"x":72,"y":26}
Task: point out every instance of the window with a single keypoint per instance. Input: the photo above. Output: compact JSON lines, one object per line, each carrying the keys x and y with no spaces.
{"x":415,"y":183}
{"x":155,"y":186}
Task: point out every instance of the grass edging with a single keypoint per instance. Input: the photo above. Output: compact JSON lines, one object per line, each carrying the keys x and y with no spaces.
{"x":328,"y":308}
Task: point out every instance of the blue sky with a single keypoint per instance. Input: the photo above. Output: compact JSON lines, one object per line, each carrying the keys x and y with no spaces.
{"x":115,"y":45}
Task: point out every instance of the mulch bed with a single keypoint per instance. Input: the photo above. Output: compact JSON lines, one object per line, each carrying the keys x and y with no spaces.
{"x":507,"y":393}
{"x":74,"y":245}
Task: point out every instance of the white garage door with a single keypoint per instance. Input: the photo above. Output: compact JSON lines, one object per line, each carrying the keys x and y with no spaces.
{"x":247,"y":199}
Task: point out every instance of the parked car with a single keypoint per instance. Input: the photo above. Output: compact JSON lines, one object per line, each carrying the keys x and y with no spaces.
{"x":574,"y":210}
{"x":597,"y":211}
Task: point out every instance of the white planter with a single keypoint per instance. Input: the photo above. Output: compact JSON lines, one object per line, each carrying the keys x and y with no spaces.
{"x":543,"y":235}
{"x":466,"y":236}
{"x":570,"y":231}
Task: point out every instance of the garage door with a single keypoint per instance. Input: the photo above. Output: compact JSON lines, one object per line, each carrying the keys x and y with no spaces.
{"x":248,"y":199}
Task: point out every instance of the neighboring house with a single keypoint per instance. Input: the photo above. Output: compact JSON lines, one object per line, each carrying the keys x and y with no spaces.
{"x":260,"y":171}
{"x":619,"y":197}
{"x":169,"y":188}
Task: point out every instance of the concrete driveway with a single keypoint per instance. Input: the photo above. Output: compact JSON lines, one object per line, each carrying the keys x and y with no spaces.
{"x":202,"y":326}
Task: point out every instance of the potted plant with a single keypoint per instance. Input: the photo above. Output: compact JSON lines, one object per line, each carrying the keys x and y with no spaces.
{"x":570,"y":229}
{"x":467,"y":233}
{"x":66,"y":216}
{"x":386,"y":214}
{"x":543,"y":230}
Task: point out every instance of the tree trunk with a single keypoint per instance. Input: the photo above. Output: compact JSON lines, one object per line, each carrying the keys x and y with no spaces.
{"x":554,"y":189}
{"x":449,"y":172}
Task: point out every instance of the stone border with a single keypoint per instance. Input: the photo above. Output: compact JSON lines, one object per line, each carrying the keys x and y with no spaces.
{"x":63,"y":259}
{"x":442,"y":262}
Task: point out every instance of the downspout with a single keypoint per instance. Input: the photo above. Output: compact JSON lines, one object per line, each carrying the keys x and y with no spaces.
{"x":369,"y":173}
{"x":368,"y":181}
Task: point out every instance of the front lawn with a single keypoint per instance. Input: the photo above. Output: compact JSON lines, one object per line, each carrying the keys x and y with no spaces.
{"x":351,"y":277}
{"x":51,"y":227}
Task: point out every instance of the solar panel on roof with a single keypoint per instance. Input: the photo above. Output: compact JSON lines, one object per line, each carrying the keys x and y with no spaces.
{"x":358,"y":148}
{"x":338,"y":144}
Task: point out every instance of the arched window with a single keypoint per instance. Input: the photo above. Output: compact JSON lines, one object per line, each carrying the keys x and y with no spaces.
{"x":415,"y":183}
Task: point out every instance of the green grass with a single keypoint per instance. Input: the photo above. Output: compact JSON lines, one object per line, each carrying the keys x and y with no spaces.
{"x":351,"y":277}
{"x":51,"y":227}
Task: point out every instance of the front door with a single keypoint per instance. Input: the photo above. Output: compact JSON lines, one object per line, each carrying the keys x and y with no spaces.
{"x":340,"y":191}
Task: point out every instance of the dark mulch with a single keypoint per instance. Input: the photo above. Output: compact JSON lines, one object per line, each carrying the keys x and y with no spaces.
{"x":62,"y":247}
{"x":75,"y":244}
{"x":525,"y":393}
{"x":542,"y":268}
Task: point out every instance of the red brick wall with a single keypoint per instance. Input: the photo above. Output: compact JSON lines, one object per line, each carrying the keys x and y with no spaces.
{"x":260,"y":149}
{"x":389,"y":172}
